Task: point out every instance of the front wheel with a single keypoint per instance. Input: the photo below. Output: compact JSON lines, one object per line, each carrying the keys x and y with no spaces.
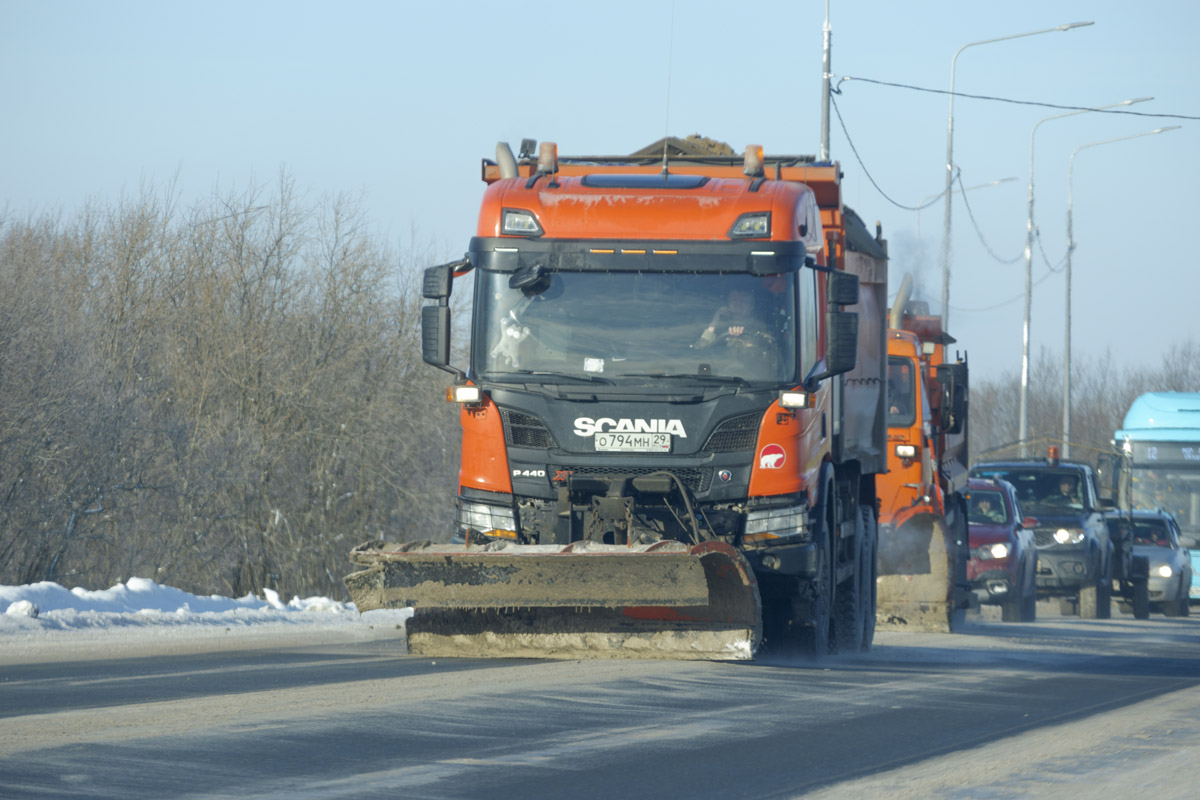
{"x":1095,"y":600}
{"x":1141,"y":600}
{"x":1177,"y":607}
{"x":815,"y":640}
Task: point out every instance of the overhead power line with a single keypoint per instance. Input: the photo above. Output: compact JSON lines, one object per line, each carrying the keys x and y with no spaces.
{"x":1016,"y":102}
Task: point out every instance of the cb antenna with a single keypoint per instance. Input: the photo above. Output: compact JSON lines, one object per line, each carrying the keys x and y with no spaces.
{"x":670,"y":62}
{"x":826,"y":75}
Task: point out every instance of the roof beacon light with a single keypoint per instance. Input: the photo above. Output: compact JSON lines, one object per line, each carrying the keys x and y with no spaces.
{"x":548,"y":158}
{"x":754,"y":161}
{"x":1052,"y":456}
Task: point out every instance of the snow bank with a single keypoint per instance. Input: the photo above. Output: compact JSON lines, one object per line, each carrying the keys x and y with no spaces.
{"x":47,"y":620}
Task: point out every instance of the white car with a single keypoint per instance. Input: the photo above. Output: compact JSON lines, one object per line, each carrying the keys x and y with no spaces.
{"x":1156,"y":537}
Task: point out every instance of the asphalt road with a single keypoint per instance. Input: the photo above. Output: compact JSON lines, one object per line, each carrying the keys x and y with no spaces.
{"x":1060,"y":707}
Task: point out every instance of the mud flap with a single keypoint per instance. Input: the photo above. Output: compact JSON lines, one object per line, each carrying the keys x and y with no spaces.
{"x":917,"y":576}
{"x":665,"y":600}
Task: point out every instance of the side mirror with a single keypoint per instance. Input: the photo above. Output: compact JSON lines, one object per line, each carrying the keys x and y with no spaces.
{"x":435,"y":336}
{"x":436,"y":285}
{"x":1029,"y":522}
{"x":843,"y":288}
{"x":435,"y":319}
{"x":952,"y":379}
{"x":841,"y":352}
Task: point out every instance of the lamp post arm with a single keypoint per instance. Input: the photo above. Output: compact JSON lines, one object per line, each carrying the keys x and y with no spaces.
{"x":1066,"y":413}
{"x":950,"y":153}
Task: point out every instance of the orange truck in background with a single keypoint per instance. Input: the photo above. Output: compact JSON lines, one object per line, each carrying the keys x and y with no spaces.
{"x":923,"y":538}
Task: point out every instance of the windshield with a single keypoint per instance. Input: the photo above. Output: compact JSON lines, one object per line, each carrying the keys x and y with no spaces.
{"x":609,"y":327}
{"x":901,"y":381}
{"x":1173,"y":489}
{"x":1042,"y":490}
{"x":986,"y":508}
{"x":1152,"y":532}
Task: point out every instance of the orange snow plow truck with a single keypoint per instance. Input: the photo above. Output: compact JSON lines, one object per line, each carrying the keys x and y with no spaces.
{"x":673,"y":414}
{"x":923,"y":543}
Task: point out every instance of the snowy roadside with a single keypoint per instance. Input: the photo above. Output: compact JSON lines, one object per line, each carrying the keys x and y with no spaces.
{"x":47,"y":622}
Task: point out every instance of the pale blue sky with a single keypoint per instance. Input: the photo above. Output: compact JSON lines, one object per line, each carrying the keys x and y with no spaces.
{"x":401,"y":100}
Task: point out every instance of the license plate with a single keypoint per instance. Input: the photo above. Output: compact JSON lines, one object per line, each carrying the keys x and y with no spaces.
{"x":633,"y":442}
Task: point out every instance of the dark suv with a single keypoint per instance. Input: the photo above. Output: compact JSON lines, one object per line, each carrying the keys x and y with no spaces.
{"x":1075,"y":556}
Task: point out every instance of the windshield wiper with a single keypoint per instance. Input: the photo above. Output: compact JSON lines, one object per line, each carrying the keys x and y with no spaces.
{"x":688,"y":376}
{"x":558,"y":376}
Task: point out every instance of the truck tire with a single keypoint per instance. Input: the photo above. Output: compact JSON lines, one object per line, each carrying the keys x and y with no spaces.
{"x":815,"y":640}
{"x":1141,"y":599}
{"x":870,"y":571}
{"x":848,"y":608}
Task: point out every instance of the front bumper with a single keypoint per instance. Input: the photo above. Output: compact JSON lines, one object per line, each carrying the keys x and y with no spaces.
{"x":1063,"y":570}
{"x":796,"y":560}
{"x":989,"y":587}
{"x":1162,"y":589}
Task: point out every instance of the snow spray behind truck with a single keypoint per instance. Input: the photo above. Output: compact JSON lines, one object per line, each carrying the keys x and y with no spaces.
{"x":673,"y":415}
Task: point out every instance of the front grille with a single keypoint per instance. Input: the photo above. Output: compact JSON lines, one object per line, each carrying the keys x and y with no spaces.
{"x":698,"y":479}
{"x":735,"y":434}
{"x":525,"y":430}
{"x":1044,"y":537}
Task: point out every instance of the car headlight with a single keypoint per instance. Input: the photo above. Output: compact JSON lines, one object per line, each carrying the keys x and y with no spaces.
{"x":1164,"y":571}
{"x":488,"y":519}
{"x":1068,"y":535}
{"x":997,"y":550}
{"x":771,"y":526}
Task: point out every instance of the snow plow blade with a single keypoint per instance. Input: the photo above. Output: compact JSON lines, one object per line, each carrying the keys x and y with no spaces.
{"x":666,"y":600}
{"x":915,"y":590}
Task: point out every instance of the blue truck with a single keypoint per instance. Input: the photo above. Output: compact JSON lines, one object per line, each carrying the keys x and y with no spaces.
{"x":1159,"y":444}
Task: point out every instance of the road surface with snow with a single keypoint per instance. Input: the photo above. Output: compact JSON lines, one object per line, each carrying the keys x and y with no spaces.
{"x":141,"y":691}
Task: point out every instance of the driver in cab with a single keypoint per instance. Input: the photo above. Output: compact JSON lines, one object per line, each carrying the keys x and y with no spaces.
{"x":1066,"y":494}
{"x":733,"y":320}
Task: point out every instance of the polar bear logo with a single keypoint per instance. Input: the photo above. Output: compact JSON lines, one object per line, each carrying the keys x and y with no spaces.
{"x":771,"y":457}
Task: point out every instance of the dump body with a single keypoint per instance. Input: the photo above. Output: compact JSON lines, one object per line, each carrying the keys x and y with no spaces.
{"x":668,"y":367}
{"x":923,"y":546}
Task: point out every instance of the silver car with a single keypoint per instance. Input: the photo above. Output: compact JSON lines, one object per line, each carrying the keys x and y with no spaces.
{"x":1156,"y":537}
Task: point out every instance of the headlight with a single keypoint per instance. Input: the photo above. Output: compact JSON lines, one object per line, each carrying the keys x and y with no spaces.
{"x":771,"y":526}
{"x":906,"y":451}
{"x":518,"y":222}
{"x":1068,"y":535}
{"x":488,"y":519}
{"x":753,"y":225}
{"x":997,"y":550}
{"x":1164,"y":571}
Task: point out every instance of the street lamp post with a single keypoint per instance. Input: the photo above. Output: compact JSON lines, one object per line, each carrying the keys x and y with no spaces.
{"x":950,"y":155}
{"x":1023,"y":424}
{"x":1066,"y":418}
